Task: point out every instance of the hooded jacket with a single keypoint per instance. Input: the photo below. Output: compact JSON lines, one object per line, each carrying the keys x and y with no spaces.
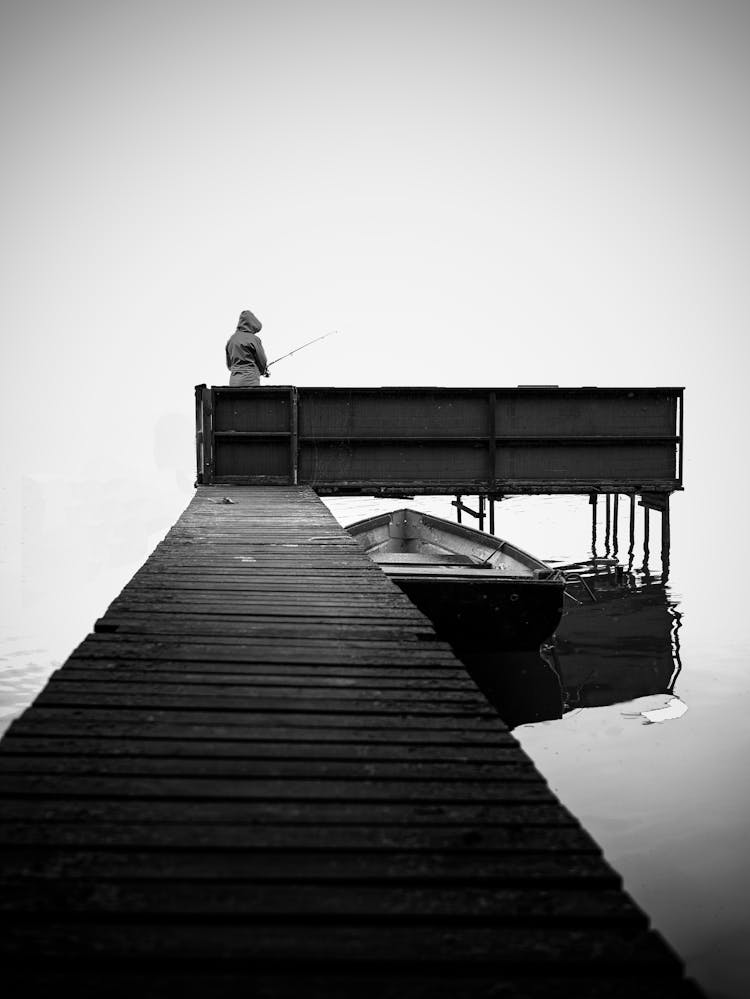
{"x":246,"y":358}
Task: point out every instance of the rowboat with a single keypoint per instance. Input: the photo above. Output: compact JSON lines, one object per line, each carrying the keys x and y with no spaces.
{"x":481,"y":593}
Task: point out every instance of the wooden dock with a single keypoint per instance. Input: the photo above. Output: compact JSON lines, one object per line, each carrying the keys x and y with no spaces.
{"x":263,"y":776}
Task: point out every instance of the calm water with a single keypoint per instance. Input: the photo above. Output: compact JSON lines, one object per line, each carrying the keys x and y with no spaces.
{"x":635,"y":714}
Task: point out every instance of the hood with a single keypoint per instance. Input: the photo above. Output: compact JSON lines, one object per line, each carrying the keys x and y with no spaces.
{"x":249,"y":323}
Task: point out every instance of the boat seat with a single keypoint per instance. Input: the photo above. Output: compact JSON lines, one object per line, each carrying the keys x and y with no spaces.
{"x":421,"y":558}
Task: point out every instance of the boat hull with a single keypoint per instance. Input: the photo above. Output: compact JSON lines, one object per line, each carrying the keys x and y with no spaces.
{"x":482,"y":594}
{"x":488,"y":615}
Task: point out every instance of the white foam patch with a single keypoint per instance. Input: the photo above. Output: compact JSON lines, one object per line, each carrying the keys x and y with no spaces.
{"x":655,"y":709}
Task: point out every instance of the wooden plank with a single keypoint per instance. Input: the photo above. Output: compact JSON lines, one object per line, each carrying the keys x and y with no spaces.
{"x":227,"y":627}
{"x":406,"y":731}
{"x":516,"y":840}
{"x":531,"y":788}
{"x":406,"y":982}
{"x":141,"y":641}
{"x":238,"y":696}
{"x":252,"y":608}
{"x":264,"y":762}
{"x":550,"y":869}
{"x":621,"y":951}
{"x":469,"y":821}
{"x":370,"y":678}
{"x":16,"y":743}
{"x":142,"y":766}
{"x":254,"y":700}
{"x":136,"y":649}
{"x":472,"y":904}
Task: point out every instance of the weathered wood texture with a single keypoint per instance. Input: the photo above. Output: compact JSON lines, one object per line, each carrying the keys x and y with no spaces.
{"x":541,"y":439}
{"x":262,"y":775}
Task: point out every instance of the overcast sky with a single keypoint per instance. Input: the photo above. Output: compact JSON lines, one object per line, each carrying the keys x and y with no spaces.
{"x":473,"y":192}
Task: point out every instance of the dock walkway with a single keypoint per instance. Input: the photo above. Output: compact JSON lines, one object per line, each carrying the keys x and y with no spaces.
{"x":263,"y":775}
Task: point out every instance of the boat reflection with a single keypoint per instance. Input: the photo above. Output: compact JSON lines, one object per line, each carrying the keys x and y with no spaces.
{"x":618,"y":640}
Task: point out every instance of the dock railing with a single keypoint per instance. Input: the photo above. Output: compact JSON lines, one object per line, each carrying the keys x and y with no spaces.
{"x":440,"y":441}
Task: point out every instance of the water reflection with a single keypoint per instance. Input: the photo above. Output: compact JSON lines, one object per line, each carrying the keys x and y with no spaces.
{"x":618,"y":641}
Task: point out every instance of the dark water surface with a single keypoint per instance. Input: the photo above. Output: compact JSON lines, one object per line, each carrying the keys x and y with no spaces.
{"x":635,"y":713}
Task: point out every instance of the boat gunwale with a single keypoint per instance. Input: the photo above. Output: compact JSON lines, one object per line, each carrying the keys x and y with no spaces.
{"x":475,"y":571}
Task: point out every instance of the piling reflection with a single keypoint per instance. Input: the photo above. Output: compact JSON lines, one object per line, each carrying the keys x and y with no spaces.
{"x":618,"y":640}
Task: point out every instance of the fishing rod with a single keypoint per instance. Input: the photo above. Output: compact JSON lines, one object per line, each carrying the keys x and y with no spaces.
{"x":301,"y":347}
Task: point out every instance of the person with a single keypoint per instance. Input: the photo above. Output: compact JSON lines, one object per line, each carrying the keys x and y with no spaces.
{"x":246,"y":358}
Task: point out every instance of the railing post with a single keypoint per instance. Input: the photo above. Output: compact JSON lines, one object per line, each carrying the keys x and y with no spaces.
{"x":492,"y":438}
{"x":199,"y":434}
{"x":294,"y":436}
{"x":207,"y":424}
{"x":681,"y":435}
